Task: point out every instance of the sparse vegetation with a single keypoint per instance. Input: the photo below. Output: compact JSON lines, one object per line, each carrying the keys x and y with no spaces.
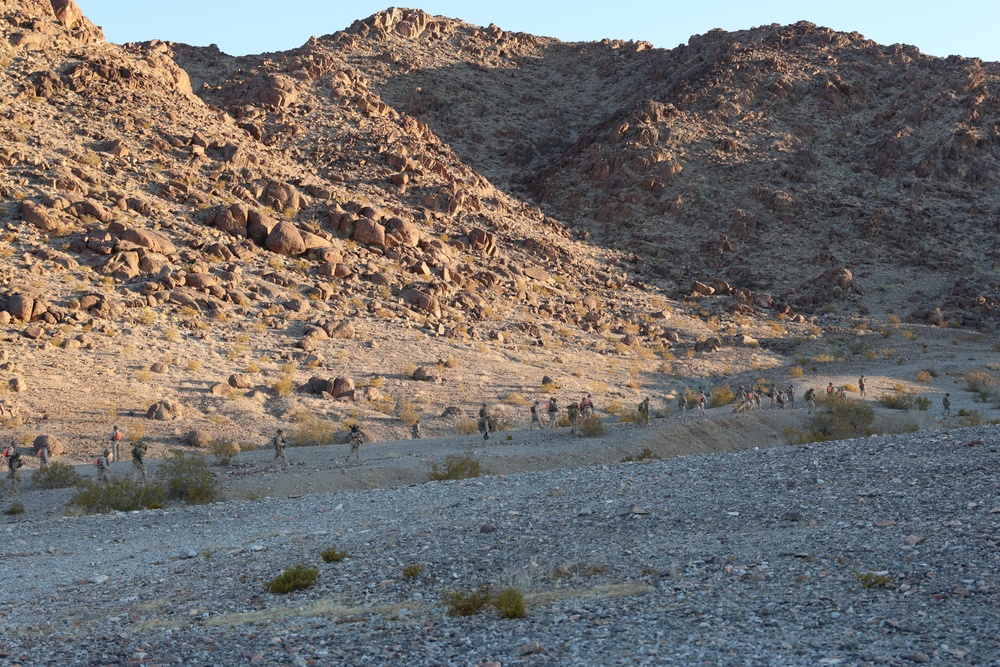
{"x":117,"y":495}
{"x":646,"y":454}
{"x":16,"y":507}
{"x":56,"y":475}
{"x":332,"y":555}
{"x":874,"y":579}
{"x":456,"y":467}
{"x":311,"y":431}
{"x":470,"y":603}
{"x":721,"y":396}
{"x":225,"y":451}
{"x":413,"y":570}
{"x":297,"y":578}
{"x":510,"y":603}
{"x":591,"y":426}
{"x":186,"y":477}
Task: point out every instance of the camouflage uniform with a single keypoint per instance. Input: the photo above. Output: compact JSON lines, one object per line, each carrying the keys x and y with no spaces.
{"x":103,"y":466}
{"x":279,"y":443}
{"x":811,"y":399}
{"x":14,"y":464}
{"x":861,"y":386}
{"x":946,"y":404}
{"x":574,"y":415}
{"x":484,"y":422}
{"x":416,"y":430}
{"x":644,"y":412}
{"x":356,"y":440}
{"x":682,"y":404}
{"x":553,"y":410}
{"x":586,"y":407}
{"x":535,"y":419}
{"x":139,"y":460}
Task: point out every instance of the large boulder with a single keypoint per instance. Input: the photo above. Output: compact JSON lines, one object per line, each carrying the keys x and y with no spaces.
{"x":406,"y":233}
{"x":369,"y":232}
{"x":155,"y":241}
{"x":20,"y":307}
{"x":200,"y":438}
{"x":240,"y":381}
{"x":165,"y":410}
{"x":285,"y":239}
{"x":343,"y":388}
{"x":51,"y":444}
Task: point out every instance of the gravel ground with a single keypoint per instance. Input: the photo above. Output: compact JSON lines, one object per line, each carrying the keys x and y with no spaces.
{"x":747,"y":558}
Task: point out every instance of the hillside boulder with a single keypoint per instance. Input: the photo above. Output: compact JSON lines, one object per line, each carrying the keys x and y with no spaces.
{"x":285,"y":239}
{"x":165,"y":410}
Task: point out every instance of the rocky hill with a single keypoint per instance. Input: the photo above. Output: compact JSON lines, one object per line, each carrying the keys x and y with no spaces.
{"x":418,"y":197}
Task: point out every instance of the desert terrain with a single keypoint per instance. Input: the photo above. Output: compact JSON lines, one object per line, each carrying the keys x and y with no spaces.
{"x":412,"y":217}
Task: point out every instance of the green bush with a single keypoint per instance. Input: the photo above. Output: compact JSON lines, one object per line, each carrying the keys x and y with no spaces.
{"x":331,"y":555}
{"x":456,"y":467}
{"x":297,"y":578}
{"x":187,"y":477}
{"x":592,"y":426}
{"x":628,"y":417}
{"x":510,"y":603}
{"x":798,"y":436}
{"x":467,"y":603}
{"x":979,"y":382}
{"x":721,"y":396}
{"x":225,"y":451}
{"x":56,"y":475}
{"x":313,"y":432}
{"x":905,"y":401}
{"x":413,"y":570}
{"x":841,"y":419}
{"x":874,"y":579}
{"x":117,"y":495}
{"x":646,"y":454}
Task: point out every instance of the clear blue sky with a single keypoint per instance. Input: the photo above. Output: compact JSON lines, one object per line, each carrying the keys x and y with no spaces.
{"x":940,"y":28}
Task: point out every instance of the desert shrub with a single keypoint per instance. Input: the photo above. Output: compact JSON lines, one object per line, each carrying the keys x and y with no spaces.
{"x":873,"y":579}
{"x":408,"y":413}
{"x":55,"y":475}
{"x":841,"y":419}
{"x":283,"y":386}
{"x":614,"y":408}
{"x":979,"y":382}
{"x":331,"y":555}
{"x":550,"y":387}
{"x":721,"y":396}
{"x":795,"y":372}
{"x":515,"y":398}
{"x":628,"y":417}
{"x":969,"y":418}
{"x":225,"y":451}
{"x":905,"y":401}
{"x":135,"y":432}
{"x":117,"y":495}
{"x":311,"y":431}
{"x":562,"y":420}
{"x":798,"y":436}
{"x":456,"y":467}
{"x":509,"y":603}
{"x":297,"y":578}
{"x":592,"y":426}
{"x":579,"y":570}
{"x":646,"y":454}
{"x":413,"y":570}
{"x":924,"y":376}
{"x":186,"y":477}
{"x":908,"y":334}
{"x":467,"y":427}
{"x":16,"y":507}
{"x":469,"y":603}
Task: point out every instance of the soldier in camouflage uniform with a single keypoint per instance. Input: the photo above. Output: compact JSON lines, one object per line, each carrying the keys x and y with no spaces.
{"x":279,"y":442}
{"x":356,"y":440}
{"x":139,"y":459}
{"x":14,"y":464}
{"x":574,"y":416}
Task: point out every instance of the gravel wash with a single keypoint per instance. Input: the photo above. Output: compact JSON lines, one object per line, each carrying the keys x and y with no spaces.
{"x":877,"y":551}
